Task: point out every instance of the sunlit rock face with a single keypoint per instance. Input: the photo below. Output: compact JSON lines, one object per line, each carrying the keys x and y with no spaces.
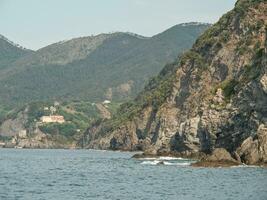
{"x":214,"y":97}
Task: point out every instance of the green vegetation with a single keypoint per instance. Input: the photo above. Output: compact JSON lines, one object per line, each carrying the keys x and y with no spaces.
{"x":228,"y":87}
{"x":218,"y":33}
{"x":253,"y":71}
{"x":35,"y":111}
{"x":66,"y":129}
{"x":5,"y":138}
{"x":9,"y":52}
{"x":78,"y":116}
{"x":242,"y":6}
{"x":119,"y":59}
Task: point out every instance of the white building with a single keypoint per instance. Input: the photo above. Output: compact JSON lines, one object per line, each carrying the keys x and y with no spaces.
{"x":53,"y":119}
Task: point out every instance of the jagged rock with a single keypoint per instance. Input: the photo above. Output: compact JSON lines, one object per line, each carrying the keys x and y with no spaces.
{"x":220,"y":154}
{"x":237,"y":157}
{"x":264,"y":82}
{"x":220,"y":157}
{"x":214,"y":97}
{"x":103,"y":111}
{"x":187,"y":135}
{"x":254,"y":150}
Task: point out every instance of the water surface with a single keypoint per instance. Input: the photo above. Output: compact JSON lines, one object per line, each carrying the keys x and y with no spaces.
{"x":87,"y":174}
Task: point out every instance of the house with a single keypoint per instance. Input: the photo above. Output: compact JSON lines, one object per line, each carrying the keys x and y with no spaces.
{"x":53,"y":119}
{"x":106,"y":102}
{"x":22,"y":134}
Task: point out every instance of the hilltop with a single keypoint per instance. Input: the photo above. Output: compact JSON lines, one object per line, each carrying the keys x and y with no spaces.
{"x":112,"y":66}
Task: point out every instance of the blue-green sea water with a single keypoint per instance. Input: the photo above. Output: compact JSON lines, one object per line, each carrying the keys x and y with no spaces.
{"x":88,"y":174}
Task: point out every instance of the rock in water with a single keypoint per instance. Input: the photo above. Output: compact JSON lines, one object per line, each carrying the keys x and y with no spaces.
{"x":220,"y":157}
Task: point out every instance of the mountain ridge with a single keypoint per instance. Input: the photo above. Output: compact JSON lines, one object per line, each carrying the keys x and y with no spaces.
{"x":46,"y":73}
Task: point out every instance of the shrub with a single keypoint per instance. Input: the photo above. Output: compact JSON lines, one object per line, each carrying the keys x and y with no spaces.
{"x":228,"y":87}
{"x":66,"y":129}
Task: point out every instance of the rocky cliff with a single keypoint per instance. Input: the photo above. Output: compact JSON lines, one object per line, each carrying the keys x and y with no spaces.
{"x":214,"y":97}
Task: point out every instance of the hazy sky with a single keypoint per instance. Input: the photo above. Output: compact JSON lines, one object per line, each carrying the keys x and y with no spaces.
{"x":37,"y":23}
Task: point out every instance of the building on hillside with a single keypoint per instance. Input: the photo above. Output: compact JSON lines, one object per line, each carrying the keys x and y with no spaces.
{"x":53,"y":119}
{"x":22,"y":134}
{"x":106,"y":102}
{"x":56,"y":103}
{"x":46,"y":108}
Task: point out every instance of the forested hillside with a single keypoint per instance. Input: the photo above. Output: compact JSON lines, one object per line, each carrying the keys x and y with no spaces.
{"x":108,"y":66}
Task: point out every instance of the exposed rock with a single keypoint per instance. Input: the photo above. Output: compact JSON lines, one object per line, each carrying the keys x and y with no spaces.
{"x":219,"y":158}
{"x":104,"y":111}
{"x":254,"y":150}
{"x":220,"y":154}
{"x":12,"y":127}
{"x":264,"y":82}
{"x":187,"y":135}
{"x":214,"y":164}
{"x":214,"y":97}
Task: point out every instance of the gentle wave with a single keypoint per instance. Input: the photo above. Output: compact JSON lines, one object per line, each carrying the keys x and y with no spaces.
{"x":169,"y":158}
{"x":147,"y":158}
{"x":162,"y":158}
{"x":177,"y":164}
{"x":154,"y":162}
{"x":244,"y":165}
{"x":159,"y":162}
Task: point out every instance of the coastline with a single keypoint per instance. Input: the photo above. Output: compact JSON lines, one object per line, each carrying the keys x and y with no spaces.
{"x":201,"y":159}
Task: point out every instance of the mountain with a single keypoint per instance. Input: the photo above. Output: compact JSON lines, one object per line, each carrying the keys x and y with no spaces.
{"x":9,"y":52}
{"x":107,"y":66}
{"x":213,"y":100}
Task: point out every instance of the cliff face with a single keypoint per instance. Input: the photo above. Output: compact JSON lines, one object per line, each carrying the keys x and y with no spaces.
{"x":214,"y":97}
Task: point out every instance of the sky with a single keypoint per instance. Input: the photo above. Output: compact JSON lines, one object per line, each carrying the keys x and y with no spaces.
{"x":37,"y":23}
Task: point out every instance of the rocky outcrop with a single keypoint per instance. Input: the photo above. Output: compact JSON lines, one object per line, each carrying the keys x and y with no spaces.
{"x":253,"y":150}
{"x":103,"y":111}
{"x":39,"y":140}
{"x":213,"y":97}
{"x":13,"y":126}
{"x":219,"y":157}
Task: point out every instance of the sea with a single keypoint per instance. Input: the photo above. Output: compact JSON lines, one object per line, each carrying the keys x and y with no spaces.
{"x":50,"y":174}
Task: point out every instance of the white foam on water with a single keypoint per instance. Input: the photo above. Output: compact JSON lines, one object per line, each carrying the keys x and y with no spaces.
{"x":147,"y":158}
{"x":245,"y":166}
{"x":160,"y":162}
{"x":169,"y":158}
{"x":155,"y":162}
{"x":177,"y":164}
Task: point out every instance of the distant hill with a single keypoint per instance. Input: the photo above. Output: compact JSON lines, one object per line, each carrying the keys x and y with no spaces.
{"x":112,"y":66}
{"x":10,"y":52}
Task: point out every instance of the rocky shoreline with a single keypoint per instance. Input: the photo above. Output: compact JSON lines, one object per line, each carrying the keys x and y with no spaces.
{"x":218,"y":158}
